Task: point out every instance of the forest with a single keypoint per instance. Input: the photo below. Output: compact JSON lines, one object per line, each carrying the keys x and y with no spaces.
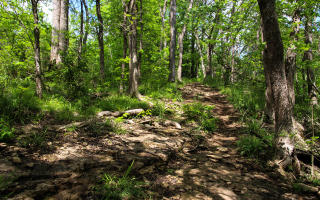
{"x":159,"y":99}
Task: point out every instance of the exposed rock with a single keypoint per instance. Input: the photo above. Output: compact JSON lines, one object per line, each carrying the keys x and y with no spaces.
{"x":130,"y":121}
{"x":30,"y":165}
{"x":104,"y":113}
{"x":147,"y":170}
{"x":134,"y":111}
{"x":172,"y":123}
{"x":16,"y":160}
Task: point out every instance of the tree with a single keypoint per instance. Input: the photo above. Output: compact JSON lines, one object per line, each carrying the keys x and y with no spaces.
{"x":100,"y":40}
{"x":275,"y":68}
{"x":36,"y":33}
{"x":172,"y":56}
{"x":180,"y":42}
{"x":307,"y":58}
{"x":290,"y":62}
{"x":133,"y":65}
{"x":60,"y":28}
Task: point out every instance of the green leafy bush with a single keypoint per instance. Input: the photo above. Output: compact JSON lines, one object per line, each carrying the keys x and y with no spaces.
{"x":250,"y":146}
{"x":209,"y":124}
{"x":34,"y":140}
{"x":197,"y":111}
{"x":19,"y":104}
{"x":124,"y":187}
{"x":6,"y":132}
{"x":121,"y":103}
{"x":159,"y":109}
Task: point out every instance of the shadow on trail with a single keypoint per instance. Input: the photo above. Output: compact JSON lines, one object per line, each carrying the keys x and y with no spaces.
{"x":176,"y":163}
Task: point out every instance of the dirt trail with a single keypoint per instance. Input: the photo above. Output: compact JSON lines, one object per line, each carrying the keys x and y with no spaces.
{"x":177,"y":164}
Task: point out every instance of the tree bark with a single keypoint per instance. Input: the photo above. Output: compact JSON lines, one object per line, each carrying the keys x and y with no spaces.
{"x":180,"y":42}
{"x":290,"y":62}
{"x":55,"y":31}
{"x":172,"y":56}
{"x":36,"y":32}
{"x":133,"y":66}
{"x":140,"y":42}
{"x":80,"y":42}
{"x":86,"y":29}
{"x":307,"y":58}
{"x":211,"y":45}
{"x":125,"y":44}
{"x":100,"y":40}
{"x":63,"y":30}
{"x":203,"y":68}
{"x":274,"y":66}
{"x":163,"y":41}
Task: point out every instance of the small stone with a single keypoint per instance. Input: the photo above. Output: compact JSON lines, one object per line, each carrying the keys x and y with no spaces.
{"x":49,"y":143}
{"x":84,"y":144}
{"x":16,"y":160}
{"x":229,"y":183}
{"x":244,"y":190}
{"x":30,"y":165}
{"x":130,"y":121}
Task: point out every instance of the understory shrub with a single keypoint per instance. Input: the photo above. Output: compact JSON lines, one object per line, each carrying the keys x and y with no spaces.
{"x":118,"y":188}
{"x":121,"y":103}
{"x":6,"y":132}
{"x":201,"y":114}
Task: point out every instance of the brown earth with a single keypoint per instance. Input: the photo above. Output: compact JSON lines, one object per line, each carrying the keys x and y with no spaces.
{"x":177,"y":163}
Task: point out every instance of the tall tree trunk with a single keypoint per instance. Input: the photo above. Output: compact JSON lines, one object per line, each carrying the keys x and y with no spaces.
{"x":133,"y":67}
{"x":55,"y":31}
{"x":80,"y":43}
{"x":268,"y":93}
{"x":86,"y":29}
{"x":180,"y":42}
{"x":163,"y":41}
{"x":125,"y":43}
{"x":307,"y":57}
{"x":172,"y":56}
{"x":274,"y":66}
{"x":193,"y":63}
{"x":63,"y":30}
{"x":233,"y":52}
{"x":100,"y":40}
{"x":213,"y":34}
{"x":140,"y":42}
{"x":203,"y":68}
{"x":36,"y":32}
{"x":290,"y":62}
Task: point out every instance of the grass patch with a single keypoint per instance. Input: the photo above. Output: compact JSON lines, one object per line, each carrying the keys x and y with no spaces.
{"x":34,"y":140}
{"x":121,"y":103}
{"x":201,"y":114}
{"x":124,"y":187}
{"x":6,"y":132}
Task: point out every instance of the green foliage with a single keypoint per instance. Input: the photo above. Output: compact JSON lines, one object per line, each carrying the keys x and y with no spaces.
{"x":209,"y":124}
{"x":159,"y":109}
{"x":61,"y":109}
{"x":34,"y":140}
{"x":201,"y":114}
{"x":98,"y":128}
{"x":197,"y":111}
{"x":124,"y":187}
{"x":121,"y":103}
{"x":250,"y":146}
{"x":162,"y":90}
{"x":19,"y":104}
{"x":114,"y":126}
{"x":6,"y":132}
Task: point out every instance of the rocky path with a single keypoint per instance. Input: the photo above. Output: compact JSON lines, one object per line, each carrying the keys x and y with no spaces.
{"x":175,"y":162}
